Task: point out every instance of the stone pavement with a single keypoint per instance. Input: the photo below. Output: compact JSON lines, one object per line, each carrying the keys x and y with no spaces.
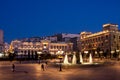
{"x":33,"y":72}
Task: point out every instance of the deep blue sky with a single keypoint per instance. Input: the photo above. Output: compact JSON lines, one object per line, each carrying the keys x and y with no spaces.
{"x":28,"y":18}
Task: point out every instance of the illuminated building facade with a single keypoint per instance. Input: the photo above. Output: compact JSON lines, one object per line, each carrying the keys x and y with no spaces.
{"x":43,"y":46}
{"x":67,"y":37}
{"x":107,"y":41}
{"x":6,"y":47}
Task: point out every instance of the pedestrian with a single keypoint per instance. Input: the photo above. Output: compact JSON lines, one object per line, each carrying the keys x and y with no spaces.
{"x":42,"y":67}
{"x":13,"y":67}
{"x":46,"y":62}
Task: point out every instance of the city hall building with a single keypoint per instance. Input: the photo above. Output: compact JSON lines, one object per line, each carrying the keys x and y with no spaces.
{"x":40,"y":47}
{"x":106,"y":41}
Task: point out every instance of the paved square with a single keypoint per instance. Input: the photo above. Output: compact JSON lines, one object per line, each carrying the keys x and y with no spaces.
{"x":33,"y":71}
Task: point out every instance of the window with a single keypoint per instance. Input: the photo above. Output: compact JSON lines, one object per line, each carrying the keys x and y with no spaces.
{"x":51,"y":47}
{"x":65,"y":47}
{"x":106,"y":36}
{"x":114,"y":36}
{"x":62,"y":47}
{"x":54,"y":47}
{"x":57,"y":47}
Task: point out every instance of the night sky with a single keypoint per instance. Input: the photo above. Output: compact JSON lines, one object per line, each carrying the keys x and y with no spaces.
{"x":28,"y":18}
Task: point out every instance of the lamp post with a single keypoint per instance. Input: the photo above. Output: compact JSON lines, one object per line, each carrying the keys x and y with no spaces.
{"x":60,"y":65}
{"x":118,"y":54}
{"x":96,"y":54}
{"x":39,"y":57}
{"x":60,"y":58}
{"x":101,"y":52}
{"x":112,"y":52}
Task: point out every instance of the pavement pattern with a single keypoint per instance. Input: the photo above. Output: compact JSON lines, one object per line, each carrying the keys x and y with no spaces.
{"x":33,"y":71}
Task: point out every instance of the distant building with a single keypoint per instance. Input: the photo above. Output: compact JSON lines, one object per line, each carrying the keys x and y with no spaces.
{"x":107,"y":41}
{"x":6,"y":47}
{"x":38,"y":39}
{"x":64,"y":37}
{"x":1,"y":41}
{"x":43,"y":46}
{"x":51,"y":38}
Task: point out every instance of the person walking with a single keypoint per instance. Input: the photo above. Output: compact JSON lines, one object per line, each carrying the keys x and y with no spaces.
{"x":42,"y":67}
{"x":13,"y":67}
{"x":46,"y":62}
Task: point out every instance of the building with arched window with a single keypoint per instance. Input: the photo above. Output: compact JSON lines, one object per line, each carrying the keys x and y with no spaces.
{"x":42,"y":46}
{"x":106,"y":41}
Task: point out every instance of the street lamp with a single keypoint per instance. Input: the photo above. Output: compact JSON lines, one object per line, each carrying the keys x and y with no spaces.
{"x":39,"y":53}
{"x":39,"y":59}
{"x":101,"y":52}
{"x":96,"y":54}
{"x":118,"y":54}
{"x":112,"y":52}
{"x":59,"y":53}
{"x":86,"y":52}
{"x":60,"y":57}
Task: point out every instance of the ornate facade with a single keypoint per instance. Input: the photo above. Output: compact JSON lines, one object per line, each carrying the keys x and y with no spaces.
{"x":44,"y":46}
{"x":106,"y":41}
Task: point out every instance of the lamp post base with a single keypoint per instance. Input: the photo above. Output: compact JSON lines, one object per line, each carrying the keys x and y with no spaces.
{"x":60,"y":67}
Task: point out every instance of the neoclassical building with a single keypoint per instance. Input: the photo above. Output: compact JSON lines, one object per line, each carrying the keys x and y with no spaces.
{"x":106,"y":41}
{"x":43,"y":46}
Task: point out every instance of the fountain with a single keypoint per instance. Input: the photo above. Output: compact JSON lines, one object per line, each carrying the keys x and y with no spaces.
{"x":81,"y":59}
{"x":90,"y":59}
{"x":66,"y":60}
{"x":74,"y":59}
{"x":90,"y":62}
{"x":74,"y":64}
